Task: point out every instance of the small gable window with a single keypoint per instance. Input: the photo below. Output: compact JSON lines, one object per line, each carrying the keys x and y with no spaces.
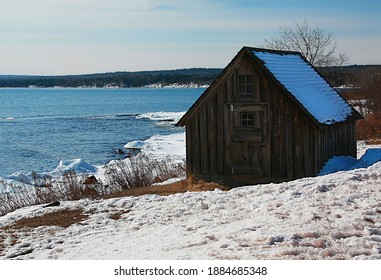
{"x":247,"y":119}
{"x":246,"y":84}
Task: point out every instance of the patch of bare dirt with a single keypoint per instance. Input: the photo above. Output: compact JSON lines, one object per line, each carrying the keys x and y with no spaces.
{"x":62,"y":218}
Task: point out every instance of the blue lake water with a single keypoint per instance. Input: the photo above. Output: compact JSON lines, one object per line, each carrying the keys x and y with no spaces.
{"x":40,"y":127}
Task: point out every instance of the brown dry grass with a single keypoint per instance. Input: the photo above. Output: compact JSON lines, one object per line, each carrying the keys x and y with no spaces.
{"x":370,"y":127}
{"x":65,"y":217}
{"x":14,"y":233}
{"x":62,"y":218}
{"x":373,"y":141}
{"x":182,"y":186}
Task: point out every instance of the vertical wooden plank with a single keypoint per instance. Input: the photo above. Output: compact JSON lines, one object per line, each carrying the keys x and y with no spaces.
{"x":307,"y":158}
{"x":354,"y":139}
{"x":282,"y":136}
{"x":220,"y":131}
{"x":266,"y":145}
{"x":317,"y":155}
{"x":204,"y":142}
{"x":212,"y":135}
{"x":201,"y":141}
{"x":206,"y":139}
{"x":228,"y":129}
{"x":301,"y":135}
{"x":232,"y":88}
{"x":197,"y":150}
{"x":189,"y":150}
{"x":274,"y":136}
{"x":296,"y":144}
{"x":312,"y":143}
{"x":289,"y":143}
{"x":257,"y":86}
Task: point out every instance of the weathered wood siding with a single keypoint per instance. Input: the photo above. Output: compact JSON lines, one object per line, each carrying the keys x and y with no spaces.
{"x":284,"y":143}
{"x":338,"y":140}
{"x":292,"y":139}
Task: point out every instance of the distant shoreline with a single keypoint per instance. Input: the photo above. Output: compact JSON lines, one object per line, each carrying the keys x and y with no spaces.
{"x":158,"y":85}
{"x":182,"y":78}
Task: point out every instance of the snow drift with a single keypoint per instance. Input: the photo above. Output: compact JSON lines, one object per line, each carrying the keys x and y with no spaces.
{"x":345,"y":163}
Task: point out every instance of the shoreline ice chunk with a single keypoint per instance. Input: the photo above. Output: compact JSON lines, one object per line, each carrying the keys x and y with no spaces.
{"x":137,"y":144}
{"x":172,"y":117}
{"x":79,"y":165}
{"x":20,"y":177}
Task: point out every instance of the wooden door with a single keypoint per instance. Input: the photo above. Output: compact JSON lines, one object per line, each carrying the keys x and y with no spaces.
{"x":247,"y":140}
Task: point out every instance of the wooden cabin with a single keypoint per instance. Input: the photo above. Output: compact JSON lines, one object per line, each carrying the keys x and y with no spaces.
{"x":268,"y":117}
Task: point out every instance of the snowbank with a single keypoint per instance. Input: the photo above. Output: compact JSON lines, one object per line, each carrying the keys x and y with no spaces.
{"x":20,"y":177}
{"x":79,"y":165}
{"x":346,"y":163}
{"x":172,"y":145}
{"x":371,"y":156}
{"x":329,"y":217}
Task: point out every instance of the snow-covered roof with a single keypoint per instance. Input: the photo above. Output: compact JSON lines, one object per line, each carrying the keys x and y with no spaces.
{"x":301,"y":80}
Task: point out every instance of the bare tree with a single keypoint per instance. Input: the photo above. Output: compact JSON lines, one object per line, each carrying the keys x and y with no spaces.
{"x":317,"y":46}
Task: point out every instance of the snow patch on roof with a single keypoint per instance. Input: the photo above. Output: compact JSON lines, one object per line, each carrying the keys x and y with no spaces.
{"x":307,"y":86}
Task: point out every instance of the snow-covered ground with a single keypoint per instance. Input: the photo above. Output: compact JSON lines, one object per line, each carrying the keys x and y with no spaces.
{"x":336,"y":216}
{"x":172,"y":145}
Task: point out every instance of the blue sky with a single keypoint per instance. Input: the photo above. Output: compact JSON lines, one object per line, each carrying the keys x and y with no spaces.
{"x":52,"y":37}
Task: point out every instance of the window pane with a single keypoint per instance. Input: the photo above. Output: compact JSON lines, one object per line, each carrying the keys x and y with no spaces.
{"x":246,"y":84}
{"x":247,"y":119}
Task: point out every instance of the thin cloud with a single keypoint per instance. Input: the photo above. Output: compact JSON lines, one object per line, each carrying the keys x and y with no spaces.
{"x":166,"y":8}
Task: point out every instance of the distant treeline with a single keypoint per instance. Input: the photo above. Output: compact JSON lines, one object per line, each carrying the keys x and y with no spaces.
{"x":337,"y":76}
{"x":200,"y":76}
{"x":355,"y":75}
